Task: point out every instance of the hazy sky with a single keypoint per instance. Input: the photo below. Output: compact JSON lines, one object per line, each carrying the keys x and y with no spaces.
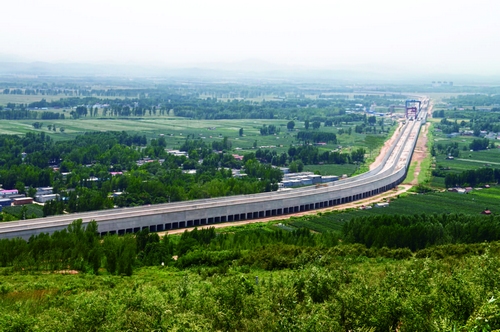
{"x":445,"y":36}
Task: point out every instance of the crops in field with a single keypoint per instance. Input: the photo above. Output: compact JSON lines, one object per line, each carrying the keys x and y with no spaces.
{"x":409,"y":204}
{"x":177,"y":129}
{"x":31,"y":210}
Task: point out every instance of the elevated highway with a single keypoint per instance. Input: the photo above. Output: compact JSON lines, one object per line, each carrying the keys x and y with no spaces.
{"x":387,"y":175}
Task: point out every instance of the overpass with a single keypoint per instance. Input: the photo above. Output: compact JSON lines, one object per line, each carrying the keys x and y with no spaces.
{"x":391,"y":171}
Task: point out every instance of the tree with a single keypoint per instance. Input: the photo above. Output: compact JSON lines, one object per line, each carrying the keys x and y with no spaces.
{"x":20,"y":187}
{"x":81,"y":111}
{"x":31,"y":191}
{"x":290,"y":125}
{"x":300,"y":166}
{"x":61,"y":129}
{"x":306,"y":124}
{"x":479,"y":144}
{"x":241,"y":132}
{"x":372,"y":120}
{"x":316,"y":124}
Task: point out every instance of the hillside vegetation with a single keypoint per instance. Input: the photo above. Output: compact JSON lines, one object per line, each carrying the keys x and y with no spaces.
{"x":257,"y":278}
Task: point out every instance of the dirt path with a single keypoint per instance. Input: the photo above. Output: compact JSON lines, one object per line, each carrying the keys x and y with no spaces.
{"x":420,"y":150}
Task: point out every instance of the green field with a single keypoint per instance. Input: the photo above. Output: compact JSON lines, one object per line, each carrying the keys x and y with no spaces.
{"x":32,"y":210}
{"x":26,"y":99}
{"x":176,"y":129}
{"x":409,"y":204}
{"x":467,"y":160}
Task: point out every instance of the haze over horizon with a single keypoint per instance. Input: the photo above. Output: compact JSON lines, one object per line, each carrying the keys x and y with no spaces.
{"x":458,"y":37}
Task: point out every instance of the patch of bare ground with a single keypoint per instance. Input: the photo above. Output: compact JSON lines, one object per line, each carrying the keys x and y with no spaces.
{"x":420,"y":151}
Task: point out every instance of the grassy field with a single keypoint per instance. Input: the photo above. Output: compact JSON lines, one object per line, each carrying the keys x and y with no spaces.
{"x":410,"y":175}
{"x":425,"y":170}
{"x":176,"y":129}
{"x":460,"y":165}
{"x":26,"y":99}
{"x":410,"y":204}
{"x":466,"y":160}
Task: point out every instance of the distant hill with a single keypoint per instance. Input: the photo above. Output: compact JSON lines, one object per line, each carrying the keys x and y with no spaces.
{"x":247,"y":69}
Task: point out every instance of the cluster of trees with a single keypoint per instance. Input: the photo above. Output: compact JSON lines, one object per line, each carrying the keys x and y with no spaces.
{"x":478,"y":121}
{"x":439,"y":114}
{"x":39,"y":125}
{"x":309,"y":155}
{"x":453,"y":148}
{"x":44,"y":90}
{"x":472,"y":177}
{"x":474,"y":100}
{"x":223,"y":145}
{"x":75,"y":248}
{"x":448,"y":127}
{"x":82,"y":249}
{"x":186,"y":102}
{"x":479,"y":144}
{"x":421,"y":231}
{"x":24,"y":114}
{"x":106,"y":149}
{"x":449,"y":149}
{"x":369,"y":128}
{"x":316,"y":137}
{"x":85,"y":166}
{"x":269,"y":130}
{"x":489,"y":122}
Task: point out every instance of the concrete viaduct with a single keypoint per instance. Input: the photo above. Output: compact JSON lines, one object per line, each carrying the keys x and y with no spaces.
{"x":391,"y":171}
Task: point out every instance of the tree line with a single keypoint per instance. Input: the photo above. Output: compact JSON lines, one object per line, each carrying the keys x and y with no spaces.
{"x":472,"y":177}
{"x":185,"y":103}
{"x":23,"y":114}
{"x":421,"y":231}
